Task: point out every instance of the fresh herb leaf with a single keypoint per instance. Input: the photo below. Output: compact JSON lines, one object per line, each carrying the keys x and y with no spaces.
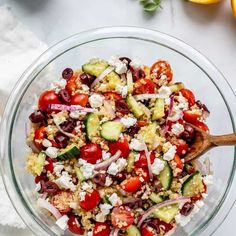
{"x":158,"y":2}
{"x":143,"y":2}
{"x":150,"y":7}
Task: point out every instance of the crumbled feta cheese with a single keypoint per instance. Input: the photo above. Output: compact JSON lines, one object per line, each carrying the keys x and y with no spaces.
{"x":128,"y":122}
{"x":85,"y":87}
{"x":62,"y":222}
{"x":85,"y":186}
{"x":113,"y":169}
{"x":121,"y":164}
{"x":74,"y":205}
{"x":108,"y":181}
{"x":137,"y":145}
{"x":100,"y":217}
{"x":90,"y":233}
{"x":82,"y":196}
{"x":58,"y":167}
{"x":136,"y":63}
{"x":51,"y":152}
{"x":176,"y":114}
{"x":177,"y":129}
{"x":105,"y":155}
{"x":199,"y":203}
{"x":38,"y":187}
{"x":169,"y":155}
{"x":60,"y":84}
{"x":183,"y":102}
{"x":167,"y":101}
{"x":86,"y":168}
{"x":65,"y":181}
{"x":136,"y":156}
{"x":115,"y":200}
{"x":164,"y":92}
{"x":105,"y":208}
{"x":59,"y":117}
{"x":123,"y":90}
{"x":96,"y":100}
{"x":120,"y":67}
{"x":157,"y":166}
{"x":208,"y":180}
{"x":76,"y":114}
{"x":46,"y":143}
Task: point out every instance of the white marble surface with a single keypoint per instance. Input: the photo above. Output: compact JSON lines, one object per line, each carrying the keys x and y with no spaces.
{"x":210,"y":29}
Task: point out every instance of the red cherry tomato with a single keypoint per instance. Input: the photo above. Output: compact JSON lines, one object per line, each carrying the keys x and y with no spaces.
{"x":91,"y":200}
{"x":49,"y":167}
{"x":142,"y":172}
{"x":47,"y":98}
{"x":166,"y":227}
{"x":181,"y":147}
{"x":132,"y":184}
{"x":122,"y":217}
{"x":62,"y":201}
{"x":39,"y":135}
{"x":91,"y":152}
{"x":74,"y":226}
{"x":147,"y":231}
{"x":191,"y":116}
{"x":41,"y":177}
{"x":122,"y":145}
{"x":142,"y":162}
{"x":144,"y":86}
{"x":71,"y":85}
{"x":101,"y":229}
{"x":161,"y":68}
{"x":79,"y":99}
{"x":142,"y":123}
{"x":179,"y":163}
{"x":188,"y":94}
{"x":201,"y":125}
{"x":112,"y":96}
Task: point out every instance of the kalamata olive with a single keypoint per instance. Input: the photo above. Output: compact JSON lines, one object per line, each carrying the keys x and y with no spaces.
{"x":120,"y":177}
{"x":50,"y":187}
{"x":68,"y":125}
{"x":132,"y":130}
{"x":153,"y":225}
{"x":202,"y":106}
{"x":138,"y":74}
{"x":122,"y":107}
{"x":61,"y":140}
{"x":99,"y":179}
{"x":189,"y":133}
{"x":67,"y":73}
{"x":134,"y":204}
{"x":87,"y":79}
{"x":37,"y":116}
{"x":187,"y":208}
{"x":64,"y":96}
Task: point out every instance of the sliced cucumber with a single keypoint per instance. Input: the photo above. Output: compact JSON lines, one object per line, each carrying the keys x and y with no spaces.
{"x":92,"y":125}
{"x":193,"y":185}
{"x":176,"y":87}
{"x":79,"y":174}
{"x":159,"y":109}
{"x":149,"y":134}
{"x":133,"y":231}
{"x":166,"y":177}
{"x":69,"y":152}
{"x":167,"y":213}
{"x":134,"y":107}
{"x":113,"y":80}
{"x":95,"y":68}
{"x":130,"y":162}
{"x":111,"y":130}
{"x":156,"y":198}
{"x":130,"y":83}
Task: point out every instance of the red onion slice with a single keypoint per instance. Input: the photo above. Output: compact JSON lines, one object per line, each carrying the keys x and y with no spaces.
{"x":109,"y":109}
{"x":48,"y":206}
{"x":102,"y":75}
{"x":103,"y":165}
{"x":147,"y":154}
{"x":114,"y":232}
{"x":147,"y":213}
{"x":169,"y":113}
{"x":199,"y":166}
{"x":62,"y":107}
{"x":147,"y":96}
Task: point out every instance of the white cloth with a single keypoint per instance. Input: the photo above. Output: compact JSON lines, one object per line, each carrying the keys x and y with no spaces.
{"x":18,"y":49}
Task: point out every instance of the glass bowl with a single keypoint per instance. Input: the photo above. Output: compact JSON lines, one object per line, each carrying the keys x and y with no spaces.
{"x":188,"y":65}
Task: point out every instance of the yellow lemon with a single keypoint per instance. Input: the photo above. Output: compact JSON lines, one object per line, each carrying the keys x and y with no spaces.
{"x":206,"y":1}
{"x":233,"y":5}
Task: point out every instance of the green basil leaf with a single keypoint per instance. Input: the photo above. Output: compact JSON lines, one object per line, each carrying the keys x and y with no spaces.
{"x":150,"y":7}
{"x":158,"y":2}
{"x":143,"y":2}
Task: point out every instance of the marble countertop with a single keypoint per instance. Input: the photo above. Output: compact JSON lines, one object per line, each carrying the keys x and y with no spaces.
{"x":210,"y":29}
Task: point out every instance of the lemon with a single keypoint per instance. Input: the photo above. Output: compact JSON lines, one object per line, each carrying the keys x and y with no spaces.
{"x":206,"y":1}
{"x":233,"y":5}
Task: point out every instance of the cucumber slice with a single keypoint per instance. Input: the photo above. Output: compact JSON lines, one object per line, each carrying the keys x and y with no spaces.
{"x":176,"y":87}
{"x":159,"y":109}
{"x":69,"y":152}
{"x":111,"y":130}
{"x":134,"y":107}
{"x":156,"y":198}
{"x":166,"y":214}
{"x":113,"y":80}
{"x":166,"y":177}
{"x":130,"y":162}
{"x":79,"y":174}
{"x":130,"y":83}
{"x":92,"y":125}
{"x":193,"y":185}
{"x":133,"y":231}
{"x":95,"y":67}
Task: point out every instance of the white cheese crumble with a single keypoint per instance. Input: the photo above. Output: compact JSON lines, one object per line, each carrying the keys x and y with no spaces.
{"x":62,"y":222}
{"x":169,"y":155}
{"x":38,"y":187}
{"x":65,"y":181}
{"x":177,"y":129}
{"x":136,"y":156}
{"x":90,"y":233}
{"x":82,"y":196}
{"x":157,"y":166}
{"x":128,"y":122}
{"x":164,"y":92}
{"x":121,"y":164}
{"x":51,"y":152}
{"x":183,"y":102}
{"x":137,"y":145}
{"x":108,"y":181}
{"x":123,"y":90}
{"x":117,"y":166}
{"x":105,"y":208}
{"x":85,"y":87}
{"x":86,"y":168}
{"x":120,"y":67}
{"x":85,"y":186}
{"x":58,"y":167}
{"x":74,"y":205}
{"x":115,"y":200}
{"x":59,"y":84}
{"x":105,"y":155}
{"x":76,"y":114}
{"x":112,"y":169}
{"x":208,"y":180}
{"x":46,"y":143}
{"x":96,"y":100}
{"x":59,"y":118}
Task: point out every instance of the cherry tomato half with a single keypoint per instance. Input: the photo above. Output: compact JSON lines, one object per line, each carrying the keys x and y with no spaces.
{"x":160,"y":69}
{"x":49,"y":167}
{"x":148,"y":231}
{"x":101,"y":229}
{"x":39,"y":135}
{"x":79,"y":99}
{"x":132,"y":184}
{"x":179,"y":163}
{"x":71,"y":85}
{"x":142,"y":162}
{"x":112,"y":96}
{"x":191,"y":116}
{"x":91,"y":200}
{"x":188,"y":94}
{"x":142,"y":86}
{"x":91,"y":152}
{"x":201,"y":125}
{"x":47,"y":98}
{"x":122,"y":217}
{"x":181,"y":147}
{"x":122,"y":145}
{"x":62,"y":201}
{"x":74,"y":226}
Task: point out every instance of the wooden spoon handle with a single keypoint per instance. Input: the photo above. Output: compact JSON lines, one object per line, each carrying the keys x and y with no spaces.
{"x":223,"y":140}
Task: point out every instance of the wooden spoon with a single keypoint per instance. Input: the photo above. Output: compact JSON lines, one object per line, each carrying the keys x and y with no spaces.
{"x":204,"y":142}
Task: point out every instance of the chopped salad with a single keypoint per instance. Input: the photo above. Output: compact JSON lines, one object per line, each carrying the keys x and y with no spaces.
{"x":107,"y":145}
